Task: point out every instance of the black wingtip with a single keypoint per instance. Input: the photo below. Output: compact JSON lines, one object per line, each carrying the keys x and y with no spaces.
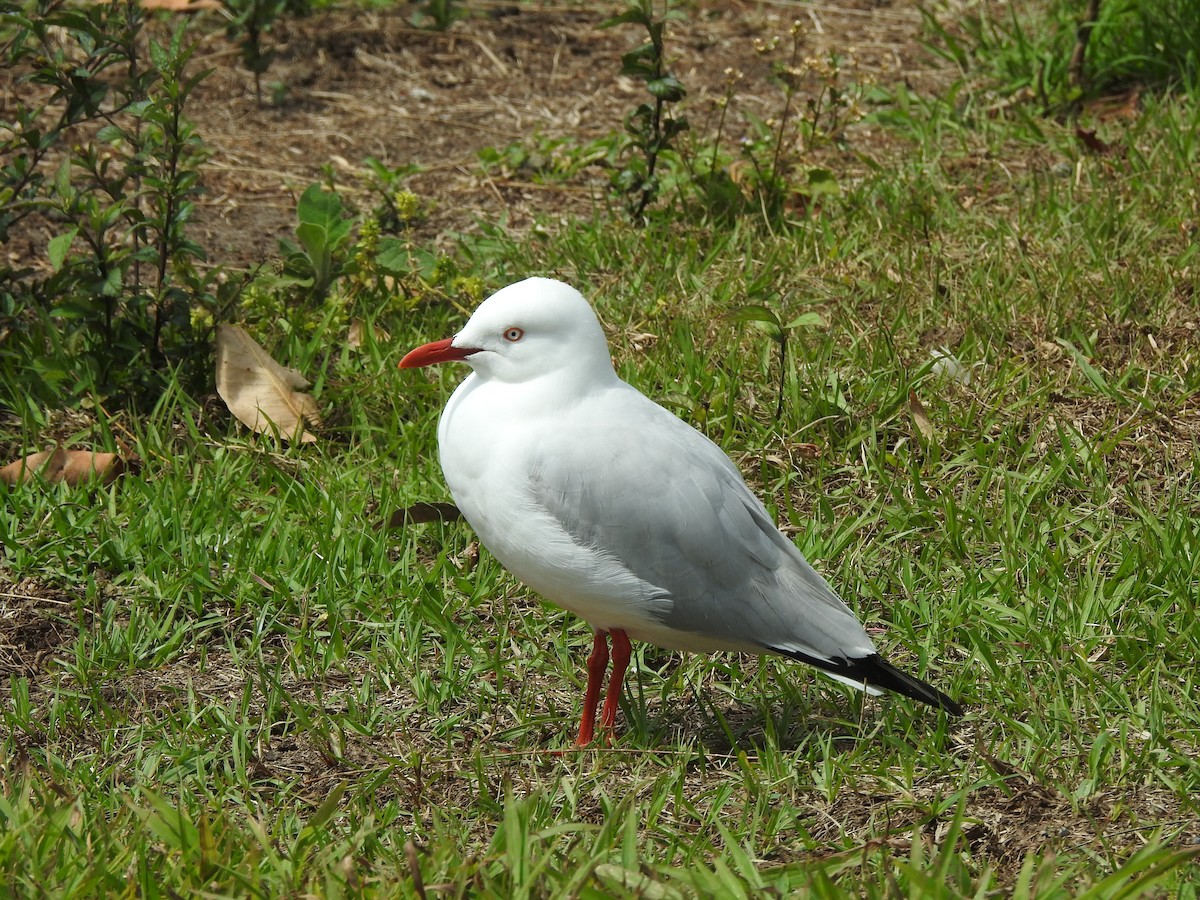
{"x":878,"y":672}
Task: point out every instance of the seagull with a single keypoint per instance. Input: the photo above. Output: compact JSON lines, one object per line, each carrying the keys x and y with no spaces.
{"x":608,"y":505}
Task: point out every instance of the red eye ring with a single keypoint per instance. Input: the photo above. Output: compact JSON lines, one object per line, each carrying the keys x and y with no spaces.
{"x":513,"y":334}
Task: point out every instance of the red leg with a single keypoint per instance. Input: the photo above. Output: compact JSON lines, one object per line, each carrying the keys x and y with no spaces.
{"x":620,"y":660}
{"x":596,"y":665}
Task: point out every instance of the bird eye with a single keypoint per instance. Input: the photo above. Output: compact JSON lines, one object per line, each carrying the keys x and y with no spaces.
{"x":514,"y":334}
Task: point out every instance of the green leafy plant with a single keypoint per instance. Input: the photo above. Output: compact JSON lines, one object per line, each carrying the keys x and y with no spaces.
{"x":114,"y":311}
{"x":771,"y":173}
{"x":343,"y":265}
{"x":781,"y":180}
{"x":708,"y":168}
{"x":766,"y":319}
{"x":322,"y":231}
{"x":548,"y":160}
{"x":397,"y":206}
{"x":249,"y":22}
{"x":440,"y":14}
{"x":651,"y":127}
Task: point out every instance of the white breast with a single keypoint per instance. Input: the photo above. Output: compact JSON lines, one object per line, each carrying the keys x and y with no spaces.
{"x":486,"y":459}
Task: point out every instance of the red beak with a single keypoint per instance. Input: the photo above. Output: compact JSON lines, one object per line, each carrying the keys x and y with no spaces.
{"x":437,"y":352}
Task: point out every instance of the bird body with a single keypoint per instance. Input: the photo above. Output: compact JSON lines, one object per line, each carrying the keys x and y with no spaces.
{"x":612,"y":507}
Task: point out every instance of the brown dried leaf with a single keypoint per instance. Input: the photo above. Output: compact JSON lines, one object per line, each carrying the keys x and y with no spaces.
{"x":640,"y":340}
{"x":414,"y":868}
{"x":423,"y":512}
{"x":261,"y":393}
{"x":1094,"y":144}
{"x":469,"y":558}
{"x":921,"y":417}
{"x":359,"y":331}
{"x":805,"y":450}
{"x":74,"y":467}
{"x":1117,"y":106}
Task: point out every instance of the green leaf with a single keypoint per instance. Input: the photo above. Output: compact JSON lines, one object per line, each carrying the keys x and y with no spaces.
{"x":806,"y":320}
{"x":672,"y":127}
{"x":322,"y":226}
{"x":1093,"y":375}
{"x":761,"y":317}
{"x":641,"y":62}
{"x":321,"y":231}
{"x":393,"y":256}
{"x":58,"y":248}
{"x":1141,"y":872}
{"x":110,"y":134}
{"x":326,"y":810}
{"x":158,"y":54}
{"x":111,"y":286}
{"x":62,"y":177}
{"x":822,"y":181}
{"x":668,"y":88}
{"x":631,"y":16}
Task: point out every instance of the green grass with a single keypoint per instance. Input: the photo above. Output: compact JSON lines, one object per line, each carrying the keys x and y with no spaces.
{"x":223,"y":679}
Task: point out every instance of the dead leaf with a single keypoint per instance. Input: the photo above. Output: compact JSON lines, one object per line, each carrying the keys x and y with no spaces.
{"x":260,"y":392}
{"x":359,"y":331}
{"x":469,"y":558}
{"x":1092,"y":143}
{"x":1099,"y":653}
{"x":419,"y":513}
{"x":74,"y":467}
{"x":921,"y":417}
{"x":414,"y":868}
{"x":1116,"y":106}
{"x":806,"y":450}
{"x":263,"y":583}
{"x":640,"y":340}
{"x":741,"y":173}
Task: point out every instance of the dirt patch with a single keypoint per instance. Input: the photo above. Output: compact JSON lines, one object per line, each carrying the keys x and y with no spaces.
{"x":346,"y":85}
{"x":32,"y":625}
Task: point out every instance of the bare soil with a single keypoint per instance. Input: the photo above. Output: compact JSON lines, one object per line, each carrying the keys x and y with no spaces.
{"x":364,"y":84}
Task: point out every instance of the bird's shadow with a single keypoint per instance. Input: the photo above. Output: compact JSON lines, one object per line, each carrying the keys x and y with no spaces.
{"x":725,"y":726}
{"x":679,"y":705}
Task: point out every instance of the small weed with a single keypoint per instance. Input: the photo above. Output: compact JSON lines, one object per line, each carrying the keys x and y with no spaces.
{"x":651,"y":127}
{"x":438,"y":15}
{"x":346,"y":265}
{"x":249,"y":22}
{"x":398,"y":207}
{"x":768,"y":320}
{"x":322,"y":231}
{"x":115,"y":310}
{"x":777,"y":177}
{"x":547,"y":159}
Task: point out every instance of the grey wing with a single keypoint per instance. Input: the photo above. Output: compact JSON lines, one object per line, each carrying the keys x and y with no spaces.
{"x":670,"y":506}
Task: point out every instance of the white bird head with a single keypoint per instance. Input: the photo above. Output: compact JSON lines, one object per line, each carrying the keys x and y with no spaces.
{"x":536,"y":328}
